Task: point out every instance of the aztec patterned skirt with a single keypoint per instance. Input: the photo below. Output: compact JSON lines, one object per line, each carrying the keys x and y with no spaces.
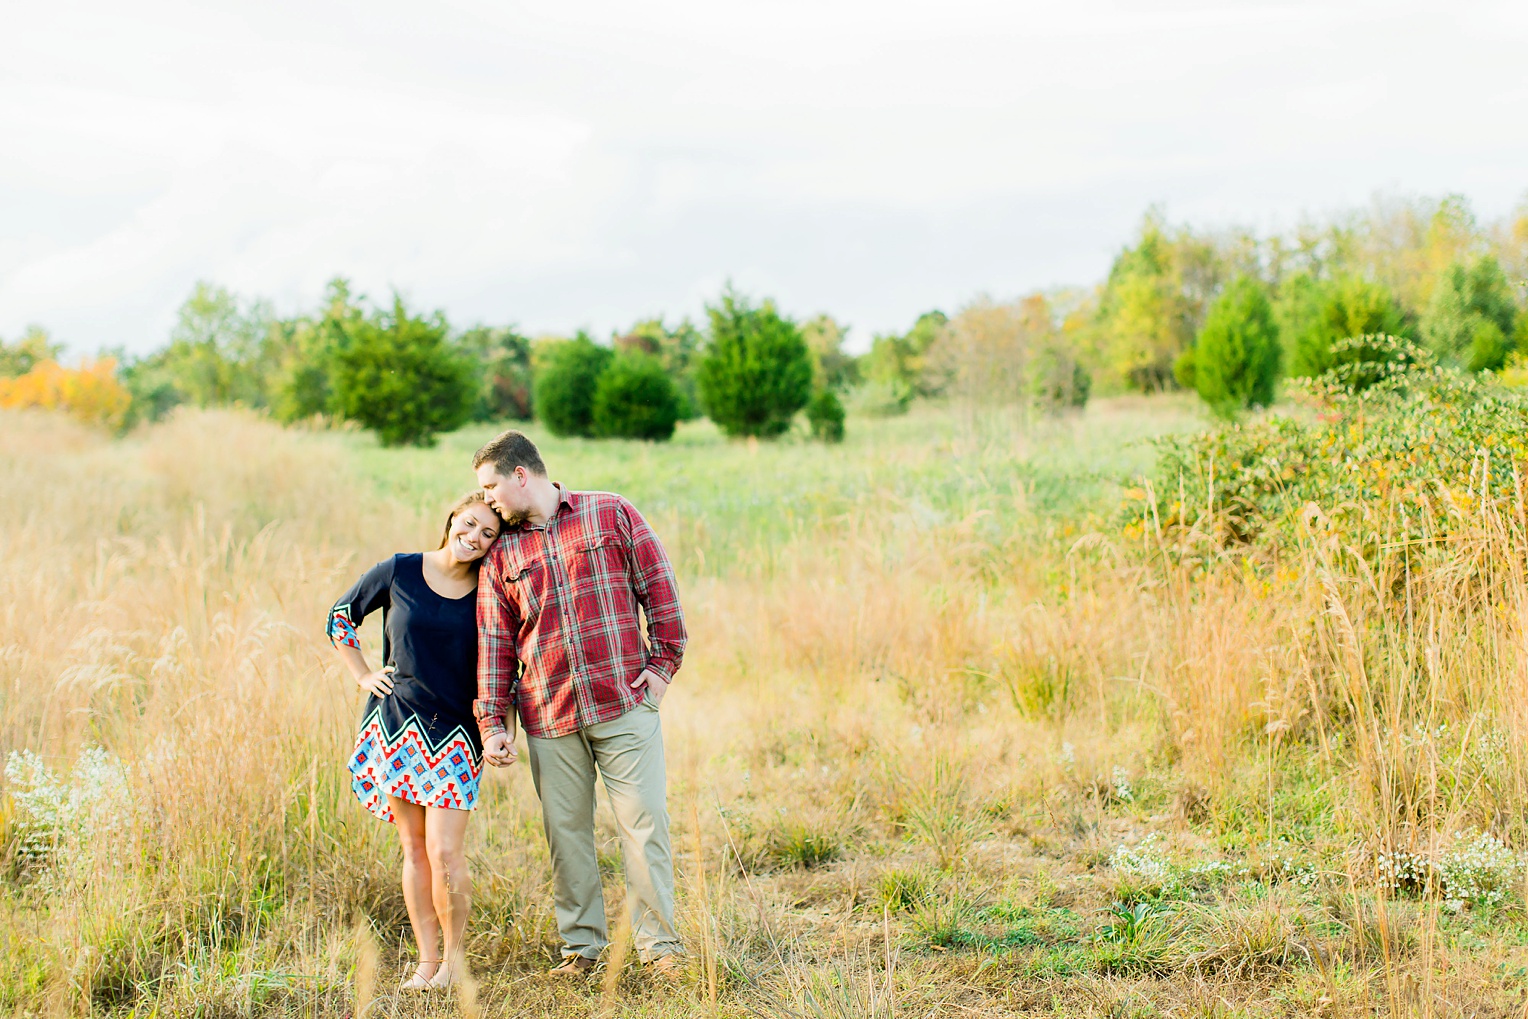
{"x":405,"y":764}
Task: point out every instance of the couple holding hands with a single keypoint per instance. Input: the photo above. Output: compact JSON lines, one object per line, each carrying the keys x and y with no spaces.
{"x":528,"y":606}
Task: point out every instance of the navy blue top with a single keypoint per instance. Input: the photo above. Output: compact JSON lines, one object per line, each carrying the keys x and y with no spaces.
{"x":431,"y":641}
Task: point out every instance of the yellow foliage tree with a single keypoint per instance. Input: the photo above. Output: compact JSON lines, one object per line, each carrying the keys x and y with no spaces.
{"x":90,"y":392}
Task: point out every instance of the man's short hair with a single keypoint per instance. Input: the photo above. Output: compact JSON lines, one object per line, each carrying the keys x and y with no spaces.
{"x":510,"y":450}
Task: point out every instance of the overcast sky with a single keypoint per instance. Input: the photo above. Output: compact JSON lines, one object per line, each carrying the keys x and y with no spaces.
{"x":566,"y":164}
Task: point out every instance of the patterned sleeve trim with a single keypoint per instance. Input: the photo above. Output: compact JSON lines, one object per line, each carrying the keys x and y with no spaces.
{"x":342,"y":631}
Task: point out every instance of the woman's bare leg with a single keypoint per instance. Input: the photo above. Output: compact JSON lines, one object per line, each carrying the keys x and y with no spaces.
{"x":417,"y":879}
{"x":445,"y":833}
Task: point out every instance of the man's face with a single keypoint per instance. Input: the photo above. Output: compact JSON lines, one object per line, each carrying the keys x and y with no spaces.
{"x":505,"y":492}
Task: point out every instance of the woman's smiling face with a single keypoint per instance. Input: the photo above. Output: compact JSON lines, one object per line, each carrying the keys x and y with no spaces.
{"x":473,"y":532}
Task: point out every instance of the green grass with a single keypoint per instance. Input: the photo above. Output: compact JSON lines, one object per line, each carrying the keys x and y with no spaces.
{"x":890,"y":792}
{"x":721,"y":502}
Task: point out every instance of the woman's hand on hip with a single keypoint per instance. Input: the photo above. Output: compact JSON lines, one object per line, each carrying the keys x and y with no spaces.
{"x":379,"y":682}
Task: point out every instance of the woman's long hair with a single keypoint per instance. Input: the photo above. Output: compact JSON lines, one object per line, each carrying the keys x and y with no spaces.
{"x":469,"y":499}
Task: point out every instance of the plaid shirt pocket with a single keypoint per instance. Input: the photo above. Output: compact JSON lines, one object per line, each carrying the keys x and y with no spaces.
{"x":598,"y":564}
{"x":525,"y":583}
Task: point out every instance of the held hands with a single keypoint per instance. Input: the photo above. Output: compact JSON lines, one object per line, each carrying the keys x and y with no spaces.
{"x":499,"y":749}
{"x":379,"y":682}
{"x":656,"y":685}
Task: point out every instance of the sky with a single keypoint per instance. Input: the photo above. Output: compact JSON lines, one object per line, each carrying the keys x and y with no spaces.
{"x":583,"y":165}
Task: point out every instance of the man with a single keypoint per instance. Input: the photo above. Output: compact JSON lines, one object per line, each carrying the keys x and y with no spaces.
{"x":559,"y":639}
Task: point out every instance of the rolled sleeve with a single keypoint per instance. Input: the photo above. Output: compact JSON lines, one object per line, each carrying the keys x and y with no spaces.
{"x":498,"y":662}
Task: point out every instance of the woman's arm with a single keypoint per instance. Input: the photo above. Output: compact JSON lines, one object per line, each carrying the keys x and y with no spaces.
{"x":379,"y":682}
{"x":373,"y":591}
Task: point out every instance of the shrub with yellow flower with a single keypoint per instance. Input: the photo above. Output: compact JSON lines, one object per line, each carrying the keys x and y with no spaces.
{"x":90,"y":392}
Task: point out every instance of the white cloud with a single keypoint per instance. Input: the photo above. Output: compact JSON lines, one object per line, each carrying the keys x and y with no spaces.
{"x":581,"y":164}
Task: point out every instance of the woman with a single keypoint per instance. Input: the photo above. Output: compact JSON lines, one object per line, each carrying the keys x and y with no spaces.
{"x":418,"y":755}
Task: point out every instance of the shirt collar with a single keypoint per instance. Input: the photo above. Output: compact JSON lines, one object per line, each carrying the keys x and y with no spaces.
{"x":564,"y":498}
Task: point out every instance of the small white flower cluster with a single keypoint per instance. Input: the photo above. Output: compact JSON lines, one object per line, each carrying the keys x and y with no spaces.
{"x":1121,"y":783}
{"x":1402,"y":869}
{"x":1302,"y":873}
{"x":1422,"y":737}
{"x":1148,"y":862}
{"x":1068,"y":755}
{"x":1144,"y":861}
{"x":1220,"y":869}
{"x":58,"y":822}
{"x":1478,"y":868}
{"x":1491,"y":745}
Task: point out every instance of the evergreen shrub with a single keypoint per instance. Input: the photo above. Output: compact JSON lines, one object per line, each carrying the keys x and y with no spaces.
{"x":757,"y":370}
{"x":400,"y":378}
{"x":1469,"y":320}
{"x":826,"y":414}
{"x":1236,"y":358}
{"x":565,"y":386}
{"x":635,"y":398}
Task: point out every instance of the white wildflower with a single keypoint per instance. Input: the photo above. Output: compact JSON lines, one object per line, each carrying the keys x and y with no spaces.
{"x":61,"y":824}
{"x":1479,"y":868}
{"x":1122,"y":790}
{"x":1144,"y":861}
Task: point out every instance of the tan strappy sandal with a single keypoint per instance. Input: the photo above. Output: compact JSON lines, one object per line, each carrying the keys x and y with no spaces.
{"x":417,"y":982}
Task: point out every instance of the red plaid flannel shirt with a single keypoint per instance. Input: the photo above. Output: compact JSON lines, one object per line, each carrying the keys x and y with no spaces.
{"x":558,"y":632}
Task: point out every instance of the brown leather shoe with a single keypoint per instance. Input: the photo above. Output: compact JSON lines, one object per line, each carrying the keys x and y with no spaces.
{"x":572,"y":966}
{"x":667,"y":967}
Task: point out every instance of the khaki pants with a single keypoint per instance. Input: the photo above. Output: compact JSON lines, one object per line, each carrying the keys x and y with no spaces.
{"x":628,"y":751}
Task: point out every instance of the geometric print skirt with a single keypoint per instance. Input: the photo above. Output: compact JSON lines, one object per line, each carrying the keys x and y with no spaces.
{"x":405,"y":765}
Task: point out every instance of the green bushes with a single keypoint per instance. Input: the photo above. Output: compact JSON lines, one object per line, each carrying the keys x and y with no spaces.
{"x":588,"y":390}
{"x":1314,"y":314}
{"x":504,"y":360}
{"x":1236,"y":359}
{"x":826,"y":415}
{"x":1419,"y":269}
{"x":634,"y":398}
{"x":399,"y":377}
{"x":1058,"y":380}
{"x":34,"y":347}
{"x":1469,"y":321}
{"x":894,"y":369}
{"x":1393,"y":430}
{"x":757,"y":371}
{"x":565,"y":386}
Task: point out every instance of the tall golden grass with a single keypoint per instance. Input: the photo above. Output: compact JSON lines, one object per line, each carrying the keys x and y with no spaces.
{"x":945,"y":708}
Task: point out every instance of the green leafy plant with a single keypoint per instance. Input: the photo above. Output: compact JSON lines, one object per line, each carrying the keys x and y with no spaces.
{"x":757,"y":370}
{"x":1387,"y":429}
{"x":1315,"y":314}
{"x":1469,"y":321}
{"x":895,"y":368}
{"x":565,"y":386}
{"x":826,"y":415}
{"x":634,"y":398}
{"x":1236,"y":357}
{"x":400,"y":378}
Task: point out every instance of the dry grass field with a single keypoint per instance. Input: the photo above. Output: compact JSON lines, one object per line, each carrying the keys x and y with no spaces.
{"x":953,"y":738}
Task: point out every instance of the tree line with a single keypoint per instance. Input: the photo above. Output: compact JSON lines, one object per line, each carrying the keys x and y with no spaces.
{"x":1228,"y":314}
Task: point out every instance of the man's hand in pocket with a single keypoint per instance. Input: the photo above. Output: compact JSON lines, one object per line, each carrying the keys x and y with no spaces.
{"x":656,"y":685}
